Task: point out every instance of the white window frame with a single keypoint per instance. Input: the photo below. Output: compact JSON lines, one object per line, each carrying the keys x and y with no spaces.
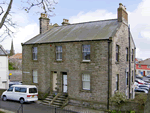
{"x":35,"y":76}
{"x":59,"y":53}
{"x":86,"y":79}
{"x":85,"y":50}
{"x":34,"y":53}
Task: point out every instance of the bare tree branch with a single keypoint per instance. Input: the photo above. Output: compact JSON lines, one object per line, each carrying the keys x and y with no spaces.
{"x":5,"y":15}
{"x":6,"y":23}
{"x":2,"y":11}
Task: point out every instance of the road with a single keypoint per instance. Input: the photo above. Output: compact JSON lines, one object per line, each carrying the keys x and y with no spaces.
{"x":28,"y":107}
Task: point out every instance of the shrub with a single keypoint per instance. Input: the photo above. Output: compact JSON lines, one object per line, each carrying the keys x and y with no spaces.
{"x":119,"y":99}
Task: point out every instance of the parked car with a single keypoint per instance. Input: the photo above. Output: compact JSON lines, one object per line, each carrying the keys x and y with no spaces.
{"x":136,"y":85}
{"x":22,"y":93}
{"x":139,"y":76}
{"x":141,"y":91}
{"x":140,"y":81}
{"x":143,"y":88}
{"x":148,"y":76}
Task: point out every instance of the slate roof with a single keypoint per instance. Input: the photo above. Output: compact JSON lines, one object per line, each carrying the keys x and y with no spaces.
{"x":2,"y":51}
{"x":94,"y":30}
{"x":145,"y":62}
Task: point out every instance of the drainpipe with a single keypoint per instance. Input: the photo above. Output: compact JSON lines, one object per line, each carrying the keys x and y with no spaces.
{"x":108,"y":75}
{"x":129,"y":59}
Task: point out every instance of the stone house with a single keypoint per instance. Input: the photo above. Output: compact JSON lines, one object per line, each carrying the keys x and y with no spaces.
{"x":4,"y":81}
{"x":89,"y":61}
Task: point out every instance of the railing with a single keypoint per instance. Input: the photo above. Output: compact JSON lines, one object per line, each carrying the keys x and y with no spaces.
{"x":20,"y":108}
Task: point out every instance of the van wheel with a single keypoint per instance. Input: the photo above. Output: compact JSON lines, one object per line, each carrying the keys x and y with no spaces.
{"x":21,"y":100}
{"x":4,"y":98}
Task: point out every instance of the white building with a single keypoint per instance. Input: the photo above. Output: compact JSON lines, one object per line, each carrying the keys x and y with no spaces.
{"x":4,"y":79}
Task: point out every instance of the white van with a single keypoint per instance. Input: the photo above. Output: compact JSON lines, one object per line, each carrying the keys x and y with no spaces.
{"x":22,"y":93}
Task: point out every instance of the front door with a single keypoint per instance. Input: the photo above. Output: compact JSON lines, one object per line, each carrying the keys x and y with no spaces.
{"x":54,"y":81}
{"x":144,"y":73}
{"x":65,"y":83}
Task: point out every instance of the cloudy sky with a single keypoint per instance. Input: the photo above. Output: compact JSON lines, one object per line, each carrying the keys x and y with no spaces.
{"x":82,"y":11}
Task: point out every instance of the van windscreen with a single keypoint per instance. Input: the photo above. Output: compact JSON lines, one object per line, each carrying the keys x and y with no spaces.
{"x":32,"y":90}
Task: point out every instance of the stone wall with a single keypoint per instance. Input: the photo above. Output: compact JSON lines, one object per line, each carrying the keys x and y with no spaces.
{"x":72,"y":64}
{"x":121,"y":67}
{"x":16,"y":75}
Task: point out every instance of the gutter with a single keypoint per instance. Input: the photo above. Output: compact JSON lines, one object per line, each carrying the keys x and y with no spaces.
{"x":108,"y":73}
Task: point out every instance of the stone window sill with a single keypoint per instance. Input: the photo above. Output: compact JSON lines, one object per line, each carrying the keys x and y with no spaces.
{"x":60,"y":60}
{"x":34,"y":60}
{"x":86,"y":91}
{"x":86,"y":61}
{"x":117,"y":62}
{"x":35,"y":84}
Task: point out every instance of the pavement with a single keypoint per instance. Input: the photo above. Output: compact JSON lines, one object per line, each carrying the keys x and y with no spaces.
{"x":6,"y":111}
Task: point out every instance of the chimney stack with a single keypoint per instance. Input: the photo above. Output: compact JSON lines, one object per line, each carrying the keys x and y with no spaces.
{"x":122,"y":14}
{"x":65,"y":22}
{"x":44,"y":23}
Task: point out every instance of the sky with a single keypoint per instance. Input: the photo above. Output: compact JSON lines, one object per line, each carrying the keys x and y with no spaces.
{"x":83,"y":11}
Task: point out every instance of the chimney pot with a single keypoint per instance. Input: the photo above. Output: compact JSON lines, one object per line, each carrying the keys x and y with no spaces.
{"x":65,"y":22}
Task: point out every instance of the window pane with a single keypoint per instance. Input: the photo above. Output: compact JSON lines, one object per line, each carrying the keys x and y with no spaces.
{"x":17,"y":89}
{"x":32,"y":90}
{"x":10,"y":89}
{"x":23,"y":90}
{"x":35,"y":78}
{"x":58,"y":52}
{"x":86,"y":85}
{"x":34,"y":53}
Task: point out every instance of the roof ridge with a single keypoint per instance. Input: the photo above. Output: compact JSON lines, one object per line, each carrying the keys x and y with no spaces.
{"x":85,"y":22}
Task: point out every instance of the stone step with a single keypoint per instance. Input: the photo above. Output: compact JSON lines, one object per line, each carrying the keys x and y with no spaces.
{"x":56,"y":103}
{"x":46,"y":101}
{"x":62,"y":96}
{"x":60,"y":101}
{"x":49,"y":99}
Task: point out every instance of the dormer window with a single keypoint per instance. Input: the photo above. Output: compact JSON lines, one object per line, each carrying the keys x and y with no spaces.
{"x":34,"y":53}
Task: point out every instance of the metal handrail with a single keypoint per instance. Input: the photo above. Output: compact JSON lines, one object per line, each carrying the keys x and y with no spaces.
{"x":21,"y":107}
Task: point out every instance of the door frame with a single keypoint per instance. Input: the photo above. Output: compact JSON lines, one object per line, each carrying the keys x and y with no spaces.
{"x":64,"y":73}
{"x":54,"y":72}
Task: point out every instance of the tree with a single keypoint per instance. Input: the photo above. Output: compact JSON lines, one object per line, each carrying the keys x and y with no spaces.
{"x":6,"y":23}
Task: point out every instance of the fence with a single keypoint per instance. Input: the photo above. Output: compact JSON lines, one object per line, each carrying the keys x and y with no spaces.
{"x":53,"y":110}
